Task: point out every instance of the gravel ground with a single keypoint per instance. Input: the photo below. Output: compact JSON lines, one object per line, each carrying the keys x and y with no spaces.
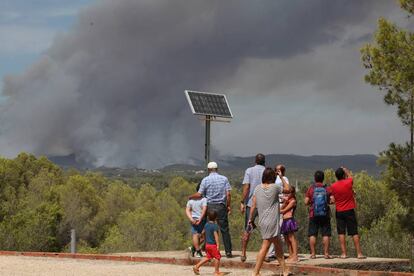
{"x":36,"y":266}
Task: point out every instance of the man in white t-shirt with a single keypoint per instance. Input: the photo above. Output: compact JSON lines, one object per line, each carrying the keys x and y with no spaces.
{"x":280,"y":167}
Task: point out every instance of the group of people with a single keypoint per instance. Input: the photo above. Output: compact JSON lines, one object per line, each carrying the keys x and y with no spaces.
{"x":269,"y":201}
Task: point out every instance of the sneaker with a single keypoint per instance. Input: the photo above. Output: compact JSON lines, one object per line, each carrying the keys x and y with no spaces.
{"x":242,"y":259}
{"x":198,"y":254}
{"x":229,"y":255}
{"x":270,"y":258}
{"x":191,"y":249}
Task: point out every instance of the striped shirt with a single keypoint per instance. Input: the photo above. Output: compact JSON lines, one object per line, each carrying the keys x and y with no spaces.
{"x":214,"y":187}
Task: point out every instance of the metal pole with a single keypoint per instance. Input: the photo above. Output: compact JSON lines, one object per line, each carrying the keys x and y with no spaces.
{"x":207,"y":143}
{"x":73,"y":241}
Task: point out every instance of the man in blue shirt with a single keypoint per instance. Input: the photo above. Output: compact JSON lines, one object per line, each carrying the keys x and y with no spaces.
{"x":252,"y":178}
{"x":216,"y":188}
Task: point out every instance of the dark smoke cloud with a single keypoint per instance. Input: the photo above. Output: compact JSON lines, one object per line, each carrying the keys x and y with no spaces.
{"x":110,"y":91}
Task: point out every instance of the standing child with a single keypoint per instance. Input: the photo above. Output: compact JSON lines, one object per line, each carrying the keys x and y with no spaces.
{"x":289,"y":225}
{"x":196,"y":212}
{"x":212,"y":245}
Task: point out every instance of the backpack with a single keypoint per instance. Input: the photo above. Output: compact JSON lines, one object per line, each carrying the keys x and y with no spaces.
{"x":320,"y":201}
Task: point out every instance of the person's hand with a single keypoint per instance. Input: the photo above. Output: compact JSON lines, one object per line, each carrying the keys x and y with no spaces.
{"x":347,"y":172}
{"x":193,"y":221}
{"x":228,"y":210}
{"x":242,"y":208}
{"x":198,"y":222}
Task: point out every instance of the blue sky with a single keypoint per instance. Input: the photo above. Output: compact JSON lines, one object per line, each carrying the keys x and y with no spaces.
{"x":27,"y":28}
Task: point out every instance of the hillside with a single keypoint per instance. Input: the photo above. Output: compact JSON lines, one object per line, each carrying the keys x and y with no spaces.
{"x":359,"y":162}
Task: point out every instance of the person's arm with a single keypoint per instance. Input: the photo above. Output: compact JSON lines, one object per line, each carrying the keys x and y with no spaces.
{"x":195,"y":196}
{"x":200,"y":192}
{"x":252,"y":208}
{"x":331,"y":199}
{"x":190,"y":217}
{"x":308,"y":197}
{"x":330,"y":195}
{"x":203,"y":235}
{"x":285,"y":184}
{"x":228,"y":203}
{"x":228,"y":196}
{"x":203,"y":214}
{"x":245,"y":194}
{"x":246,"y":190}
{"x":288,"y":207}
{"x":216,"y":237}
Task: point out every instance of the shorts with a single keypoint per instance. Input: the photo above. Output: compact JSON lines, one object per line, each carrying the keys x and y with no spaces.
{"x":247,"y":215}
{"x":197,"y":229}
{"x":346,"y":222}
{"x":289,"y":226}
{"x":212,"y":252}
{"x":324,"y":223}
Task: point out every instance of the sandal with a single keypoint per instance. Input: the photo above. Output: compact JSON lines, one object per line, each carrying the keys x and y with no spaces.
{"x":343,"y":257}
{"x":292,"y":261}
{"x":361,"y":257}
{"x":196,"y":270}
{"x":328,"y":257}
{"x":312,"y":257}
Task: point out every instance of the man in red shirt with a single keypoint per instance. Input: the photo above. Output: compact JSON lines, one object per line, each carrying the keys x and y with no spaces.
{"x":319,"y":221}
{"x":346,"y":221}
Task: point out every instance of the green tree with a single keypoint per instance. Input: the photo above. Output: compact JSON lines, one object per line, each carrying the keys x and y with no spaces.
{"x":407,"y":5}
{"x":179,"y":189}
{"x":159,"y":224}
{"x":390,"y":61}
{"x":80,"y":203}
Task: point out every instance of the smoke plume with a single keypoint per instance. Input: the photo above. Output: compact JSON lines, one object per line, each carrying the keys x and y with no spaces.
{"x":110,"y":90}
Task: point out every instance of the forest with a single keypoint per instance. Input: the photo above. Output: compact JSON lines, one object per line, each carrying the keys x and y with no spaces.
{"x":40,"y":203}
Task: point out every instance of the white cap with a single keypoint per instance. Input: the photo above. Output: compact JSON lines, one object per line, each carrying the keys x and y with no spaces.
{"x":212,"y":165}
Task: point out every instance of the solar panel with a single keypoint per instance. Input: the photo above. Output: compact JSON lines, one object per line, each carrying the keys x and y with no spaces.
{"x":203,"y":103}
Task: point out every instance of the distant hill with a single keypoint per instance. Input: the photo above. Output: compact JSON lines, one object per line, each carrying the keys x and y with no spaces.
{"x":69,"y":161}
{"x":358,"y":162}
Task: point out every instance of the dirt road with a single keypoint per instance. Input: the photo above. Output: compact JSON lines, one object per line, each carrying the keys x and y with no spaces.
{"x":40,"y":266}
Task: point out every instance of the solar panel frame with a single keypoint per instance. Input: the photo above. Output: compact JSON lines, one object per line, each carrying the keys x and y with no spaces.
{"x":206,"y":104}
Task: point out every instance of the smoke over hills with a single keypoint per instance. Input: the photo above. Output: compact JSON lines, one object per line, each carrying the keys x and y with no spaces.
{"x":110,"y":91}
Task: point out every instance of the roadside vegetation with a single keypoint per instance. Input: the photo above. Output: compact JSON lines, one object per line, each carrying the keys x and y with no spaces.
{"x":40,"y":203}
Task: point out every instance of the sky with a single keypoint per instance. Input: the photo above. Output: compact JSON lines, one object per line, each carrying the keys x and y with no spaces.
{"x":105,"y":80}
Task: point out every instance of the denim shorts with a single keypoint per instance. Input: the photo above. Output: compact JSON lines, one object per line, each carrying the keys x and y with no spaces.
{"x":197,"y":229}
